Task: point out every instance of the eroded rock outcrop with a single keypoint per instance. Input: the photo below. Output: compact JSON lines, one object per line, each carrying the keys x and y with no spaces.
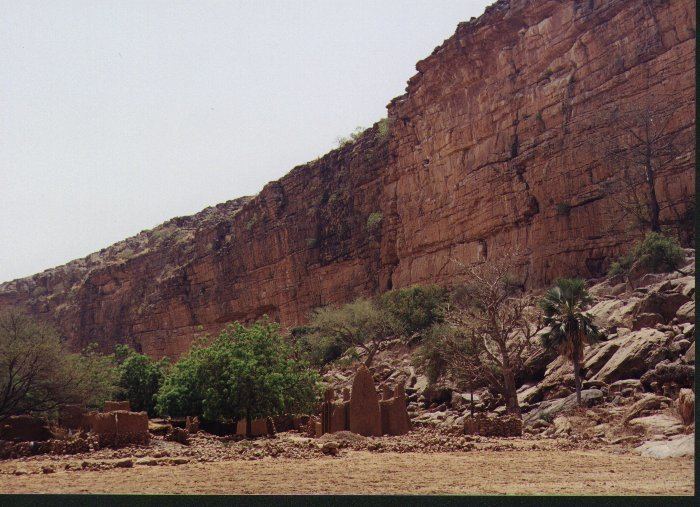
{"x":489,"y":151}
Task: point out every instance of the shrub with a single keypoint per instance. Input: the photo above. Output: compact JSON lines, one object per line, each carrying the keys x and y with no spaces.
{"x":246,"y":373}
{"x":656,"y":253}
{"x":354,"y":136}
{"x":415,"y":308}
{"x":373,"y":221}
{"x":431,"y":354}
{"x":383,"y":128}
{"x":360,"y":324}
{"x":140,"y":378}
{"x":563,"y":208}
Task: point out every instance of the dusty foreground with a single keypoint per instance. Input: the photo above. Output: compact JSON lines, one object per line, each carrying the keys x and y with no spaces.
{"x":594,"y":472}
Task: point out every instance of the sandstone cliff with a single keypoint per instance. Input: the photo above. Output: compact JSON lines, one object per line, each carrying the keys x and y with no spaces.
{"x":491,"y":140}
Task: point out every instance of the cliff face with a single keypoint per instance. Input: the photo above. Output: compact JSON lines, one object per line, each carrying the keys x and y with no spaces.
{"x":496,"y":135}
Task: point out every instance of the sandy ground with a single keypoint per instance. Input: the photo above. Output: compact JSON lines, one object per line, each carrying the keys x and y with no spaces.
{"x":529,"y":472}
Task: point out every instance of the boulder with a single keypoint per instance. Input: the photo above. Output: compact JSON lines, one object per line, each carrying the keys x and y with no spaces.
{"x":685,"y":405}
{"x":597,"y":355}
{"x":613,"y":313}
{"x":621,"y":385}
{"x":677,"y":447}
{"x":663,"y":300}
{"x":643,"y":320}
{"x":548,"y":410}
{"x":689,"y":355}
{"x":179,"y":435}
{"x":632,"y":357}
{"x":658,"y":424}
{"x":686,"y":313}
{"x":25,"y":428}
{"x":647,"y":402}
{"x":562,"y":425}
{"x":363,"y":412}
{"x":665,"y":372}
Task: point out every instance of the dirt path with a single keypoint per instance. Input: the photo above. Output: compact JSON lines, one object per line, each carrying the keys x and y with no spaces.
{"x":480,"y":472}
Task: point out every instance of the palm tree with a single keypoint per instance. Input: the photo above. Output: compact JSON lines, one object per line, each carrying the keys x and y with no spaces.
{"x":570,"y":330}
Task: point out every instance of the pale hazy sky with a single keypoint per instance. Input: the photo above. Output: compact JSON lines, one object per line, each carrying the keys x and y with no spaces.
{"x":118,"y":115}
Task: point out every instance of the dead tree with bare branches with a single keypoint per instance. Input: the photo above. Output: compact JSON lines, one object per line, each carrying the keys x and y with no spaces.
{"x":645,"y":144}
{"x":498,"y":324}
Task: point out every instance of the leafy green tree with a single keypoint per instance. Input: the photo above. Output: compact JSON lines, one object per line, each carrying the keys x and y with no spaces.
{"x":656,"y":253}
{"x":140,"y":378}
{"x":38,"y":374}
{"x":570,"y":330}
{"x":244,"y":374}
{"x":360,"y":324}
{"x":415,"y":308}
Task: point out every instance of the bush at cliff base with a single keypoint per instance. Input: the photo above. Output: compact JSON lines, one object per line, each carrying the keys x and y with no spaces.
{"x":245,"y":373}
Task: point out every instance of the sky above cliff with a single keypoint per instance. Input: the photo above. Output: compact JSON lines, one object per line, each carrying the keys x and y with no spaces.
{"x":118,"y":115}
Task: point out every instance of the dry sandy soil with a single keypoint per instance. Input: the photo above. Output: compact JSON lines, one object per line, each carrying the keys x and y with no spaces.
{"x":594,"y":472}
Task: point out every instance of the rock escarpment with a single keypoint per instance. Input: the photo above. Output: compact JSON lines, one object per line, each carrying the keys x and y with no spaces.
{"x":490,"y":142}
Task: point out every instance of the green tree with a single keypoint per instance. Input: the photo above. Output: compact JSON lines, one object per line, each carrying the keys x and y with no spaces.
{"x":360,"y":324}
{"x":244,"y":374}
{"x":38,"y":374}
{"x":140,"y":378}
{"x":570,"y":330}
{"x":656,"y":253}
{"x":415,"y":308}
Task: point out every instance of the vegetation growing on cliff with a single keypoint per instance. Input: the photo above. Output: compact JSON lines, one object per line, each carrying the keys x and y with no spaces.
{"x":656,"y":253}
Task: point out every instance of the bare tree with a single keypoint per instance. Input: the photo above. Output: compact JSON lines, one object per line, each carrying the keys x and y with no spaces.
{"x":498,"y":323}
{"x":464,"y":366}
{"x":645,"y":143}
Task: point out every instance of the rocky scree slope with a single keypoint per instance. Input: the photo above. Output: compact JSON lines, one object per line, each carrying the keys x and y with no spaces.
{"x":494,"y":136}
{"x":649,"y":326}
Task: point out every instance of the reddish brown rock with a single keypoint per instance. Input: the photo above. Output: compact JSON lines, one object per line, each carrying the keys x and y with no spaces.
{"x":485,"y":149}
{"x":179,"y":435}
{"x":363,"y":412}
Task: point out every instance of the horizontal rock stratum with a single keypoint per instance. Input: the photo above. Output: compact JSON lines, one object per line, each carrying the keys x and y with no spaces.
{"x":491,"y":149}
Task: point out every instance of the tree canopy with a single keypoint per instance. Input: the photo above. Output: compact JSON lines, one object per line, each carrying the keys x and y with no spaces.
{"x":244,"y":374}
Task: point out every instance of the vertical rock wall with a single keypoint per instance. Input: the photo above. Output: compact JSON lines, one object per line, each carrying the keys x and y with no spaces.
{"x":495,"y":135}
